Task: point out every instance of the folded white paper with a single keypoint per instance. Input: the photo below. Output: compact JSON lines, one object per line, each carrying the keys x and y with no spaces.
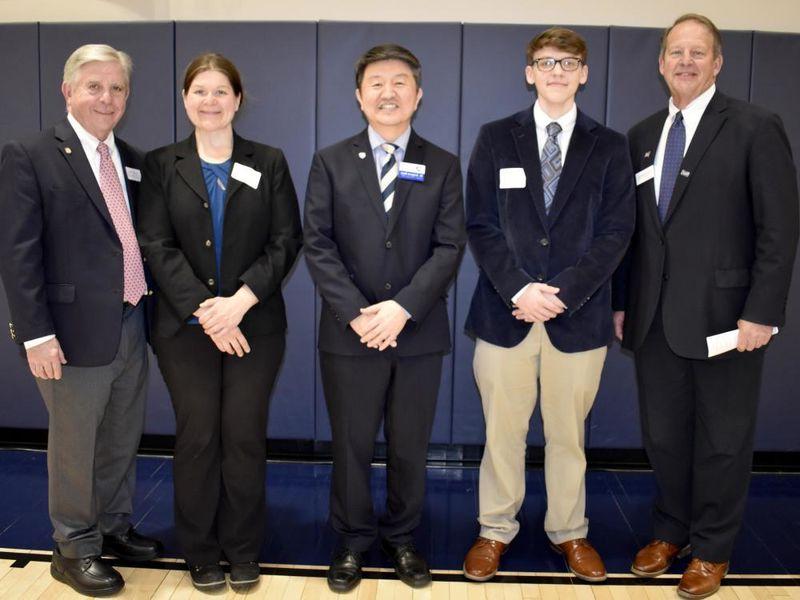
{"x":725,"y":342}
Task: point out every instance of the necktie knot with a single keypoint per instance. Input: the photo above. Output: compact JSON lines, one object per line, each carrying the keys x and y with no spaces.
{"x":553,"y":129}
{"x":389,"y":148}
{"x":102,"y":149}
{"x":678,"y":119}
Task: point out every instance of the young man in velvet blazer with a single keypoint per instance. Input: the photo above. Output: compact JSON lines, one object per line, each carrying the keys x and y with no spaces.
{"x":550,"y":212}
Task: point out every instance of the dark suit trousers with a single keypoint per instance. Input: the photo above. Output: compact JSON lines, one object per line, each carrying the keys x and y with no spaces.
{"x":96,"y":420}
{"x":698,"y":423}
{"x":359,"y":392}
{"x":221,"y":403}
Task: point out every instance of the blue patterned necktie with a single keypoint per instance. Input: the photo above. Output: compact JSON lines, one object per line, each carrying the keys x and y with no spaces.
{"x":551,"y":164}
{"x":671,"y":165}
{"x":389,"y":173}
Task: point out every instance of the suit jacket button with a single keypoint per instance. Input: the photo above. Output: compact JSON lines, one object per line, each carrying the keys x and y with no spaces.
{"x":388,"y":244}
{"x":210,"y":281}
{"x":208,"y":243}
{"x":205,"y":204}
{"x":666,"y":276}
{"x":149,"y":292}
{"x":544,"y":242}
{"x":540,"y":277}
{"x":387,"y":286}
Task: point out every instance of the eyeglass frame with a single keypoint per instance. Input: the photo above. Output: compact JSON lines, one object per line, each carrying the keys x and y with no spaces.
{"x":558,"y":61}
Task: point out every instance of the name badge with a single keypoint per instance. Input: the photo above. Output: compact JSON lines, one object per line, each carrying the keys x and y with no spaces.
{"x":645,"y":175}
{"x":133,"y":174}
{"x":512,"y":178}
{"x":246,"y":175}
{"x":411,"y":171}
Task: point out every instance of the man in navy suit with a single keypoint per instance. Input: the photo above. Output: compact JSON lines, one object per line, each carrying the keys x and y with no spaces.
{"x":550,"y":212}
{"x":384,"y":234}
{"x":76,"y":291}
{"x":716,"y":235}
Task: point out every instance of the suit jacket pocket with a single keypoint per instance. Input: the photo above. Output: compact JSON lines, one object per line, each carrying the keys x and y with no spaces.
{"x":732,"y":278}
{"x":62,"y":293}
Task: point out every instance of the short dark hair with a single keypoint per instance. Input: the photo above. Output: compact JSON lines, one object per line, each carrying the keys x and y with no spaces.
{"x":703,"y":20}
{"x":212,"y":61}
{"x":561,"y":38}
{"x":388,"y":52}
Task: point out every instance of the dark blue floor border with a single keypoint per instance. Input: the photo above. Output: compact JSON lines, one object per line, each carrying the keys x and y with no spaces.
{"x":21,"y":560}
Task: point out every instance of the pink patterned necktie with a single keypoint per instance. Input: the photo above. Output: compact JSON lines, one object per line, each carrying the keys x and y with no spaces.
{"x":135,"y":285}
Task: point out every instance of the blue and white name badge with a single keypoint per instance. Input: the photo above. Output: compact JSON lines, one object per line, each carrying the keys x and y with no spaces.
{"x":411,"y":171}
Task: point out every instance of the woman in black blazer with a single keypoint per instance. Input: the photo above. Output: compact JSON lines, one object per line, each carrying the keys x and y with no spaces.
{"x":219,"y":227}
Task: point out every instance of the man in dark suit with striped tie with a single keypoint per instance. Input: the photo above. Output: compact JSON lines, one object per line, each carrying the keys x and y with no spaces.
{"x":384,"y":234}
{"x":716,"y":232}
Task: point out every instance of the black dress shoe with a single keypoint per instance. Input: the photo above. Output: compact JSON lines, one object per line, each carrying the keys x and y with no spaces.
{"x":410,"y":567}
{"x":207,"y":578}
{"x":345,"y":571}
{"x":131,"y":546}
{"x":244,"y":576}
{"x":88,"y":576}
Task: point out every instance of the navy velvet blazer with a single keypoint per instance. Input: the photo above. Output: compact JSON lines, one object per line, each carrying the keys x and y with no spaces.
{"x":575,"y":247}
{"x":61,"y":256}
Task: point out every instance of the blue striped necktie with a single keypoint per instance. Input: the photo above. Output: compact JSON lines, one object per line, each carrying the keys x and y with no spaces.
{"x":388,"y":176}
{"x":673,"y":157}
{"x":551,"y":164}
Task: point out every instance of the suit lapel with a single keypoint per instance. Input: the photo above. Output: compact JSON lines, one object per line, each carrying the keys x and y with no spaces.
{"x":243,"y":152}
{"x":365,"y":165}
{"x":580,"y":147}
{"x":647,"y":154}
{"x":415,"y":153}
{"x":710,"y":124}
{"x":71,"y":148}
{"x":528,"y":153}
{"x":187,"y":165}
{"x":125,"y":156}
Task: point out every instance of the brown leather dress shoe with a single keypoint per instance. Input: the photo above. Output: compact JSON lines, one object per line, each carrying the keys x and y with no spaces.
{"x":483,"y":559}
{"x":655,"y":558}
{"x":701,"y":578}
{"x":582,"y":559}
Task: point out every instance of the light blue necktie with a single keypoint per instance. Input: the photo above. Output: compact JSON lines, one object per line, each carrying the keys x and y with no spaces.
{"x":551,"y":164}
{"x":673,"y":157}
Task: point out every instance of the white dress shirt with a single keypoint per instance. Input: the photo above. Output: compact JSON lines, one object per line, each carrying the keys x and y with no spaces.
{"x":691,"y":119}
{"x":89,"y":144}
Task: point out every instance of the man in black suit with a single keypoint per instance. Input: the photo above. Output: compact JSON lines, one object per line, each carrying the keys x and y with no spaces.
{"x":550,"y":212}
{"x":76,"y":288}
{"x":384,"y":234}
{"x":717,"y":227}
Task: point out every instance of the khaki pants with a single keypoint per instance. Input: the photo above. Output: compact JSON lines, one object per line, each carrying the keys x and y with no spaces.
{"x":507,"y":379}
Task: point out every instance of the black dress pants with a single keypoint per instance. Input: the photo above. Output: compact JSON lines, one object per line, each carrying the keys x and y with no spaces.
{"x":221,"y":403}
{"x":359,"y":392}
{"x":698,"y":423}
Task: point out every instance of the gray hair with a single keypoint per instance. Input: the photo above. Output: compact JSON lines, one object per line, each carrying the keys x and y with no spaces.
{"x":96,"y":52}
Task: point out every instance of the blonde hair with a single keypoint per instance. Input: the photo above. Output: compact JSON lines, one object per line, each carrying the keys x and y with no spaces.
{"x":96,"y":52}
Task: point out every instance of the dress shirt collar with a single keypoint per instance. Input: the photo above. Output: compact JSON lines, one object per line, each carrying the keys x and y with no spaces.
{"x":694,"y":111}
{"x":88,"y":141}
{"x":567,"y":120}
{"x":375,"y":139}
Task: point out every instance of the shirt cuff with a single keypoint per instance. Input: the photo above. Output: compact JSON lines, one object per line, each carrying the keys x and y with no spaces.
{"x":40,"y":340}
{"x":516,"y":296}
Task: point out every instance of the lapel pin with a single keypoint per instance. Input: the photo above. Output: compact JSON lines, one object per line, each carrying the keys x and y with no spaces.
{"x":362,"y":155}
{"x":684,"y":173}
{"x":647,"y":154}
{"x":67,"y":150}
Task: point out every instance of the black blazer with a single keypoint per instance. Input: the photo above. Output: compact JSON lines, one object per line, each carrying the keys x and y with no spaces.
{"x":727,"y":246}
{"x":576,"y":246}
{"x":60,"y":257}
{"x":261,"y":238}
{"x":357,"y":257}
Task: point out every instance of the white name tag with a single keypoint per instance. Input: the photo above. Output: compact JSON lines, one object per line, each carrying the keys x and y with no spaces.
{"x":411,"y":171}
{"x":133,"y":174}
{"x":246,"y":175}
{"x":645,"y":175}
{"x":512,"y":178}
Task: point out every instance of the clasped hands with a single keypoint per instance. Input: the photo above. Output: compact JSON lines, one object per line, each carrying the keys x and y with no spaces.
{"x":379,"y":325}
{"x":538,"y":303}
{"x":220,"y":317}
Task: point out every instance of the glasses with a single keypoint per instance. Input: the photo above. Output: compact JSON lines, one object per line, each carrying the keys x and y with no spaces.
{"x":548,"y":64}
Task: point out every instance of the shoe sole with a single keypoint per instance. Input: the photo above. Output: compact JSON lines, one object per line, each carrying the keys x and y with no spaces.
{"x":98,"y":593}
{"x":472,"y":577}
{"x":580,"y":576}
{"x":685,"y":594}
{"x":342,"y":588}
{"x":206,"y":587}
{"x":413,"y":583}
{"x":129,"y":557}
{"x":683,"y":552}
